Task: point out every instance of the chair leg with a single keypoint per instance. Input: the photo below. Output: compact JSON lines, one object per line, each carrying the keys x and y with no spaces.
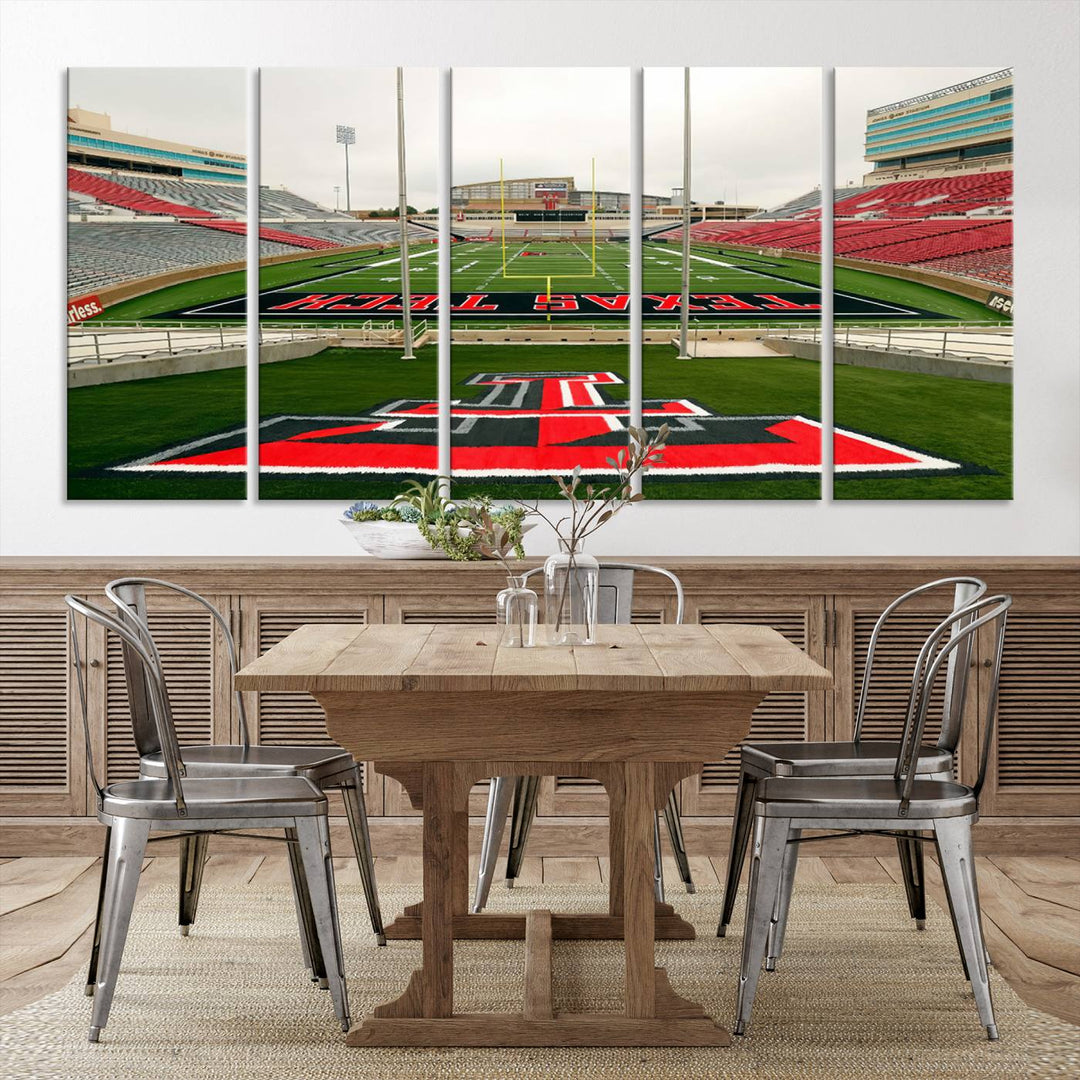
{"x":526,"y":791}
{"x":741,"y":826}
{"x":355,"y":812}
{"x":678,"y":844}
{"x":783,"y":900}
{"x":126,"y":850}
{"x":766,"y":865}
{"x":658,"y":862}
{"x":953,"y":838}
{"x":313,"y":834}
{"x":911,"y":865}
{"x":499,"y":795}
{"x":192,"y":862}
{"x":95,"y":949}
{"x":309,"y":942}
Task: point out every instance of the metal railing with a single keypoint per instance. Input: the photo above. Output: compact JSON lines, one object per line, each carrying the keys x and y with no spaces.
{"x":104,"y":344}
{"x":992,"y":342}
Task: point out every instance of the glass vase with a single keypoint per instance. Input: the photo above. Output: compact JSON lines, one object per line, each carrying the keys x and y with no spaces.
{"x":515,"y":609}
{"x":571,"y":584}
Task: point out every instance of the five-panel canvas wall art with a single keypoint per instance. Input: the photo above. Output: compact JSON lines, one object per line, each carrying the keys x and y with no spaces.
{"x":750,"y":272}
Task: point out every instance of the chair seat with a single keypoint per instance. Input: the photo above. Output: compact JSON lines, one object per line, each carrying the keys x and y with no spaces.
{"x":863,"y":758}
{"x":847,"y":797}
{"x":313,"y":762}
{"x":222,"y":797}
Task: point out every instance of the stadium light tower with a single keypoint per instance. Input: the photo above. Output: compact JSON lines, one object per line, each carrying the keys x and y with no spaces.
{"x":346,"y":136}
{"x":403,"y":227}
{"x":684,"y":313}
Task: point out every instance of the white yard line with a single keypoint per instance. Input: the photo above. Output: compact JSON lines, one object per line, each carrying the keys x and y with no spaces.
{"x":499,"y":268}
{"x":600,"y":266}
{"x":360,"y":269}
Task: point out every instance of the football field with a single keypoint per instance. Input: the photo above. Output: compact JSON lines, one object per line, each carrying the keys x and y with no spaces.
{"x":552,"y":281}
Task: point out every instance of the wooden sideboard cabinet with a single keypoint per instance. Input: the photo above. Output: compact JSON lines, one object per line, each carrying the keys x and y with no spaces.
{"x":827,"y":606}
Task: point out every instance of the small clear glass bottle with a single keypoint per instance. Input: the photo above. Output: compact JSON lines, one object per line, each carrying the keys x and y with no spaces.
{"x":571,"y":586}
{"x":516,"y":607}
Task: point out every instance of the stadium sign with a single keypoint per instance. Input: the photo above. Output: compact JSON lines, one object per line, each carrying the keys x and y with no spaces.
{"x":84,"y":307}
{"x":1000,"y":302}
{"x":591,"y":305}
{"x":532,"y":424}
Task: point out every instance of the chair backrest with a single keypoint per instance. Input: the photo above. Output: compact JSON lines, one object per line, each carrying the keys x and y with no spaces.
{"x":144,"y":658}
{"x":955,"y":634}
{"x":616,"y":590}
{"x":965,"y":591}
{"x":129,"y":597}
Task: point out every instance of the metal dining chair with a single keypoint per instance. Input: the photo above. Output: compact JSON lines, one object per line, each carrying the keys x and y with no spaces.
{"x":178,"y":805}
{"x":327,"y":767}
{"x":614,"y":603}
{"x":859,"y":757}
{"x":901,"y":805}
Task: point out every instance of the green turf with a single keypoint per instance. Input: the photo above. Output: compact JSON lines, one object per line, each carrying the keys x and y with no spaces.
{"x":479,"y":266}
{"x":336,"y":381}
{"x":111,"y":424}
{"x":959,"y":419}
{"x":954,"y":418}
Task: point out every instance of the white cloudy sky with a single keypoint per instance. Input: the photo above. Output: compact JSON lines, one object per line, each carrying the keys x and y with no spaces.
{"x":755,"y":131}
{"x":300,"y":109}
{"x":200,"y":106}
{"x":543,"y":122}
{"x":860,"y":89}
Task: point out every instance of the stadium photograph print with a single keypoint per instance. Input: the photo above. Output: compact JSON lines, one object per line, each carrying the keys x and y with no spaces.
{"x":923,"y":230}
{"x":349,"y":225}
{"x":156,"y":202}
{"x":541,"y":221}
{"x":721,"y":300}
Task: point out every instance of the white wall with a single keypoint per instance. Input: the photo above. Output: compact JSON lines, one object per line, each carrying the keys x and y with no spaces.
{"x":1038,"y":38}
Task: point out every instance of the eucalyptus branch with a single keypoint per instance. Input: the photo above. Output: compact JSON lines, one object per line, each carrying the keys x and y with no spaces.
{"x":591,"y":506}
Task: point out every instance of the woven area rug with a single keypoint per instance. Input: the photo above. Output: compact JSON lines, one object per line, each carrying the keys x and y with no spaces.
{"x":859,"y":994}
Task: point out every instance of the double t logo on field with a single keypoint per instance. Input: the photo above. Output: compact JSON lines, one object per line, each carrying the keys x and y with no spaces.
{"x":532,"y":424}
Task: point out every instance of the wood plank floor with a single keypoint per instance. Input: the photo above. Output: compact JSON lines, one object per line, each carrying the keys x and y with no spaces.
{"x":1031,"y":910}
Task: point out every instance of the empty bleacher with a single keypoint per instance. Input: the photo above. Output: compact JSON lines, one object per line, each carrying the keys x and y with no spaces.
{"x":108,"y":254}
{"x":376,"y":231}
{"x":995,"y":265}
{"x":963,"y":194}
{"x":983,"y":246}
{"x":117,"y":194}
{"x":806,"y":204}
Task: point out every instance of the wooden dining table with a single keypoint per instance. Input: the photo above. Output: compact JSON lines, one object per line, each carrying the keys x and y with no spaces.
{"x":440,"y":707}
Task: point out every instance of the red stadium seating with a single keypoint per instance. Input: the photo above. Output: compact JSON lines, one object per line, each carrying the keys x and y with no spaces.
{"x":126,"y":198}
{"x":911,"y":222}
{"x":107,"y":191}
{"x":927,"y":198}
{"x":277,"y":235}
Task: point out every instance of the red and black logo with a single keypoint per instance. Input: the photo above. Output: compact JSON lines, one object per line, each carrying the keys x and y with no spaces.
{"x":533,"y":424}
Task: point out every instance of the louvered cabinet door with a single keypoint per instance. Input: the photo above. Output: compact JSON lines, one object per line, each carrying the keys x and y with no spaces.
{"x":783,"y":716}
{"x":283,"y":718}
{"x":436,"y":611}
{"x":895,"y":655}
{"x":197,"y":675}
{"x":1034,"y":766}
{"x":42,"y":757}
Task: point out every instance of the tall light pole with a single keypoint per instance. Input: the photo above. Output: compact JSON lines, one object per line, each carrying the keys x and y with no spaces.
{"x":684,"y":313}
{"x":403,"y":227}
{"x":346,"y":136}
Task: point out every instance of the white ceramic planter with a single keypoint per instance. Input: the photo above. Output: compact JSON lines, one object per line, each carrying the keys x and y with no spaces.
{"x":392,"y":539}
{"x":398,"y":539}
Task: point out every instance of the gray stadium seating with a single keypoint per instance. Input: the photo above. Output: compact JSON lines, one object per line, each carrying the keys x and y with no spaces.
{"x":107,"y":254}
